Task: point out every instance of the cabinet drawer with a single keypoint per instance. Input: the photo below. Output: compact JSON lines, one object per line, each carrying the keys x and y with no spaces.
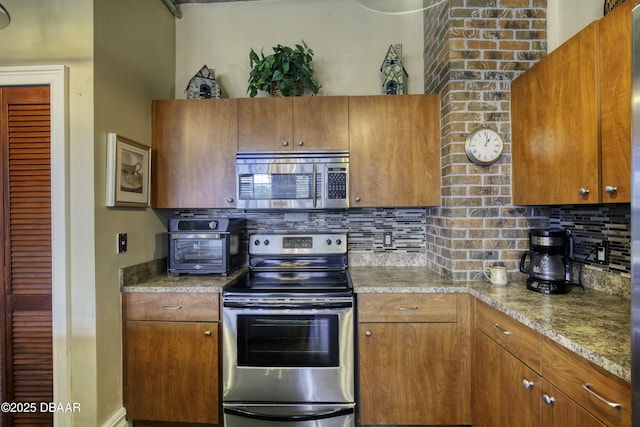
{"x":171,"y":306}
{"x":520,"y":340}
{"x":407,"y":308}
{"x":571,"y":373}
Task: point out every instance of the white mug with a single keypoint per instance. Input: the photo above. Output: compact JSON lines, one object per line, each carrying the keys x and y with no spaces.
{"x":496,"y":275}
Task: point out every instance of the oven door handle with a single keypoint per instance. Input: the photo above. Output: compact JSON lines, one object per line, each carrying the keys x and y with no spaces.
{"x":340,"y":412}
{"x":293,"y":306}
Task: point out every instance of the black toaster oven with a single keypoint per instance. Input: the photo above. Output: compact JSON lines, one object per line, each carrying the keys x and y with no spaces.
{"x":206,"y":245}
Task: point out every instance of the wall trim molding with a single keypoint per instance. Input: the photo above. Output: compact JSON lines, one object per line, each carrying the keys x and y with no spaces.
{"x":56,"y":77}
{"x":118,"y":419}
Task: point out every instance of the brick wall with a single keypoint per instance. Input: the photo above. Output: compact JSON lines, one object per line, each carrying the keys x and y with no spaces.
{"x":473,"y":50}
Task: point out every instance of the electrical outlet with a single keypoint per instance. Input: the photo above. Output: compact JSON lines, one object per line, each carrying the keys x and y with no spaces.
{"x":388,"y":239}
{"x":602,"y":253}
{"x":122,"y":243}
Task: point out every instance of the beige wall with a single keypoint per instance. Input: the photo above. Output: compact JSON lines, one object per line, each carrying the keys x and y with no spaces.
{"x":134,"y":63}
{"x":566,"y":17}
{"x":349,"y":42}
{"x":116,"y":66}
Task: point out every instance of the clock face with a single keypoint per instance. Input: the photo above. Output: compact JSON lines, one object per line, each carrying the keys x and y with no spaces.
{"x":483,"y":146}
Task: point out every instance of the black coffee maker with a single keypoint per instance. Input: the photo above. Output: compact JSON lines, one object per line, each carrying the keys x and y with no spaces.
{"x":549,"y":257}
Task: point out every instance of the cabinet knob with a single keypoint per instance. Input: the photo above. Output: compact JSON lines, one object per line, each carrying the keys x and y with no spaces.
{"x":230,"y":200}
{"x":610,"y":189}
{"x":300,"y":143}
{"x":285,"y":142}
{"x":527,"y":384}
{"x":207,"y":333}
{"x":357,"y":198}
{"x":368,"y":333}
{"x":548,"y":399}
{"x":584,"y":191}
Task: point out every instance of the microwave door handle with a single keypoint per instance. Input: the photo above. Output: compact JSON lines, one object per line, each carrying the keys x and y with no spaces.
{"x":315,"y":196}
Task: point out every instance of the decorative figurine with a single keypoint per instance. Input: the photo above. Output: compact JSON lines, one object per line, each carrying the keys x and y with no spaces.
{"x":394,"y":75}
{"x":203,"y":85}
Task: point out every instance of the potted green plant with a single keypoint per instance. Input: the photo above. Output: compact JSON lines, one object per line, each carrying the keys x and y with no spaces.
{"x":287,"y":71}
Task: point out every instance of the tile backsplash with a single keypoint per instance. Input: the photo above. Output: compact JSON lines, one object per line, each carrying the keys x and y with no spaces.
{"x":592,"y":225}
{"x":366,"y":229}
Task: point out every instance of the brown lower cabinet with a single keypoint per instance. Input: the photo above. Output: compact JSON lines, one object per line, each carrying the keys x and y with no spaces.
{"x":523,"y":379}
{"x":413,"y":359}
{"x":507,"y":392}
{"x":171,"y":350}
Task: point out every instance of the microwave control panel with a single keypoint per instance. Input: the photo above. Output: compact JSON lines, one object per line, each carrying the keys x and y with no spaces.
{"x":337,"y":183}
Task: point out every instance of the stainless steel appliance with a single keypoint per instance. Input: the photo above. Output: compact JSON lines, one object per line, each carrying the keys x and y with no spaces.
{"x":635,"y":220}
{"x":549,"y":259}
{"x":206,"y":245}
{"x":292,"y":180}
{"x":288,"y":335}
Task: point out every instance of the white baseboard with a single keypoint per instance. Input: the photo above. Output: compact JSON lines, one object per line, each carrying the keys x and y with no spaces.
{"x":118,"y":419}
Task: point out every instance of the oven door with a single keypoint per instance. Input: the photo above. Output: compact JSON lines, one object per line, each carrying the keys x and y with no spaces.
{"x":240,"y":415}
{"x":197,"y":253}
{"x":288,"y":355}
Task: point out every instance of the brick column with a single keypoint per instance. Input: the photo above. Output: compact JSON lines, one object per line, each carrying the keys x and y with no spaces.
{"x":473,"y":50}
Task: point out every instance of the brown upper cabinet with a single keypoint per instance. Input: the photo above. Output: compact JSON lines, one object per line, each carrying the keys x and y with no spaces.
{"x":394,"y":151}
{"x":571,"y":119}
{"x":311,"y":123}
{"x":194,"y":148}
{"x":615,"y":96}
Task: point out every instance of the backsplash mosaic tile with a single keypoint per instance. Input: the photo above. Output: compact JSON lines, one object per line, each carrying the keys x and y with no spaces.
{"x":366,"y":229}
{"x":592,"y":225}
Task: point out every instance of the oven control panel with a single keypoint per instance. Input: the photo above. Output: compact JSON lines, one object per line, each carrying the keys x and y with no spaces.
{"x":307,"y":244}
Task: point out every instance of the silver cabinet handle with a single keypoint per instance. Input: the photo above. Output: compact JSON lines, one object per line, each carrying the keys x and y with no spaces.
{"x":285,"y":142}
{"x":207,"y":333}
{"x":548,"y":399}
{"x":498,"y":328}
{"x":407,"y":308}
{"x":583,"y":191}
{"x":300,"y":143}
{"x":357,"y":198}
{"x":230,"y":200}
{"x":172,"y":307}
{"x":614,"y":405}
{"x":527,"y":384}
{"x":367,"y":333}
{"x":610,"y":189}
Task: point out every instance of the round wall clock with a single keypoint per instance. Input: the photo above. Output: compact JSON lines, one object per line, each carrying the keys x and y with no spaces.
{"x":484,"y":146}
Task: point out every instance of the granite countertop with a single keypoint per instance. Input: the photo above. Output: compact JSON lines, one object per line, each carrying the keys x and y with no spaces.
{"x":184,"y":283}
{"x":591,"y":323}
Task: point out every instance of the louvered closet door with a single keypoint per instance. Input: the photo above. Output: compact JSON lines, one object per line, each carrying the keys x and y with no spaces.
{"x":26,"y":352}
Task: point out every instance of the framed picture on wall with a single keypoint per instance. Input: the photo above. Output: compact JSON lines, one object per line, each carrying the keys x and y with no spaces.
{"x":128,"y":172}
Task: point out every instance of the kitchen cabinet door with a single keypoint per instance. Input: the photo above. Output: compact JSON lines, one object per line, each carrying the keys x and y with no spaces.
{"x":321,"y":123}
{"x":555,"y":126}
{"x":308,"y":123}
{"x":615,"y":96}
{"x":265,"y":124}
{"x":408,"y":373}
{"x":171,"y":371}
{"x":560,"y":411}
{"x":194,"y":149}
{"x":506,"y":392}
{"x":394,"y":151}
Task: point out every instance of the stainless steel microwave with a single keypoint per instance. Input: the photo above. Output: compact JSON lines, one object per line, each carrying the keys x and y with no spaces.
{"x":292,"y":180}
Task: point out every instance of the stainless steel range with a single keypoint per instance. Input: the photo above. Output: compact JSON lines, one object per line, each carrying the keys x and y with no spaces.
{"x":288,"y":335}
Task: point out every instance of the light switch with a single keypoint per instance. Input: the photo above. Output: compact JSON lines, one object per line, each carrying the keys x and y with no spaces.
{"x":122,"y":243}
